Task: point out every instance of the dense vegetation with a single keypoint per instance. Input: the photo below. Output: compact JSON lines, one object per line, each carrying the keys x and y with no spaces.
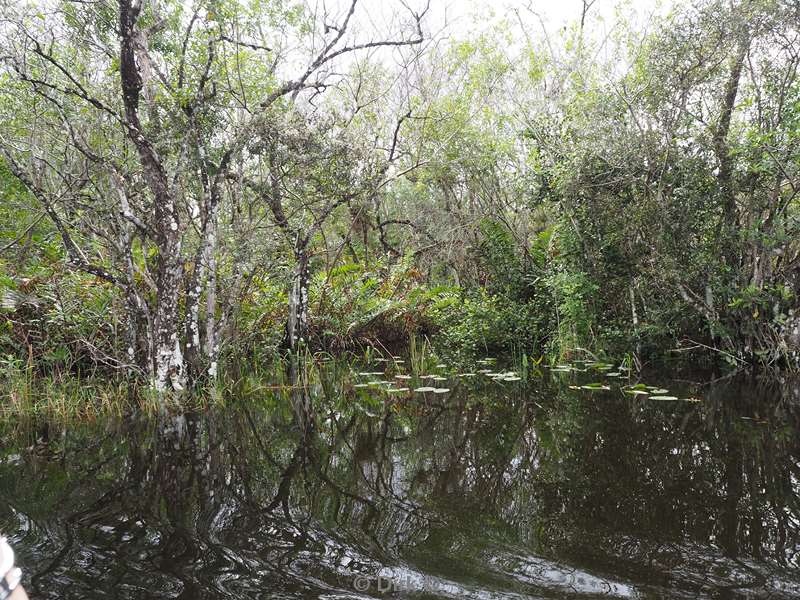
{"x":192,"y":186}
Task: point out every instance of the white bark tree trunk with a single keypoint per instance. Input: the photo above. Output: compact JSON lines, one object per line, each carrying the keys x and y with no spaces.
{"x":297,"y":325}
{"x":169,"y":364}
{"x":211,"y":347}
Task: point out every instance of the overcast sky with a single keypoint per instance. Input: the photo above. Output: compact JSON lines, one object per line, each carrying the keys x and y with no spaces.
{"x":467,"y":16}
{"x":466,"y":19}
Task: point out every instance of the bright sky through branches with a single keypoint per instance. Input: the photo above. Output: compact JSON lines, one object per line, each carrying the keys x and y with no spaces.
{"x":525,"y":19}
{"x":463,"y":17}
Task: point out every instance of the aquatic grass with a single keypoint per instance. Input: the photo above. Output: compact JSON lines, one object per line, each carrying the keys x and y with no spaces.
{"x":526,"y":364}
{"x":324,"y":375}
{"x":422,"y":358}
{"x":62,"y":399}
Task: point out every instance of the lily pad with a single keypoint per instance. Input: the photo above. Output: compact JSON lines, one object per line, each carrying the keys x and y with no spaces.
{"x":595,"y":387}
{"x":424,"y":389}
{"x":637,"y":386}
{"x":600,"y":366}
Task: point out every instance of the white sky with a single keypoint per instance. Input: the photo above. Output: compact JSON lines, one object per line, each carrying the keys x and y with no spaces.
{"x":464,"y":17}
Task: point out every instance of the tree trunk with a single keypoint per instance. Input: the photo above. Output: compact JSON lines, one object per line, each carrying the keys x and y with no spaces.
{"x":168,"y":356}
{"x":721,"y":147}
{"x":199,"y":354}
{"x":211,"y":346}
{"x":297,"y":325}
{"x":193,"y":346}
{"x":168,"y":363}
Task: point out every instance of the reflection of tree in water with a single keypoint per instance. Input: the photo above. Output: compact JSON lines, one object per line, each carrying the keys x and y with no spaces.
{"x":693,"y":491}
{"x":306,"y":489}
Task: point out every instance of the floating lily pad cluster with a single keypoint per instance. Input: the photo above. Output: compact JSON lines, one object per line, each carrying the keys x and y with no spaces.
{"x":650,"y":392}
{"x":608,"y":369}
{"x":653,"y":392}
{"x":399,"y":382}
{"x":590,"y":386}
{"x":500,"y":375}
{"x":431,"y":382}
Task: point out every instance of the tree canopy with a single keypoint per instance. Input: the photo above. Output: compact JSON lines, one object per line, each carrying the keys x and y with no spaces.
{"x":188,"y":185}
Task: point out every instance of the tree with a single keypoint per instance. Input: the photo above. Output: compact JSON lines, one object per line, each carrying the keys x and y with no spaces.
{"x":677,"y":184}
{"x":143,"y":113}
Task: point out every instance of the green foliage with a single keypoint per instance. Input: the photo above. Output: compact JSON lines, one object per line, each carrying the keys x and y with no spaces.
{"x":480,"y":324}
{"x":385,"y":305}
{"x":531,"y":205}
{"x":573,"y":291}
{"x":65,"y":323}
{"x":503,"y":270}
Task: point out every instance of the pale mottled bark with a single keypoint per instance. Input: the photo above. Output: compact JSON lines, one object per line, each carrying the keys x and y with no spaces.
{"x":169,"y":364}
{"x":297,"y":326}
{"x":168,"y":358}
{"x":211,"y":346}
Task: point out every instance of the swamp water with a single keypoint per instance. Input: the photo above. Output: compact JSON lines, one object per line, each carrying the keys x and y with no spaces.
{"x":495,"y":489}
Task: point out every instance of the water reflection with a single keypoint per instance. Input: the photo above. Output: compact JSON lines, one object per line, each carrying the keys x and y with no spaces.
{"x":490,"y":492}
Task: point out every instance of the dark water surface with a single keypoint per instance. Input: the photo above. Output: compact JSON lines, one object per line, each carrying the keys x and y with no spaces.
{"x":493,"y":490}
